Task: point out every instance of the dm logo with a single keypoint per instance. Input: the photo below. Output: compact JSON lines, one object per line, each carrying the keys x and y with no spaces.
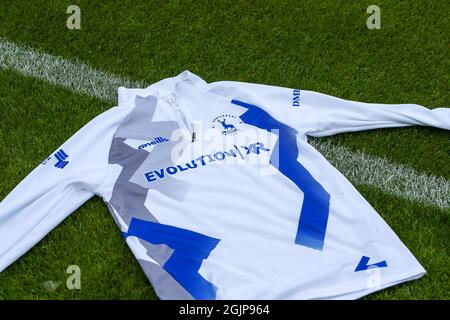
{"x":227,"y":123}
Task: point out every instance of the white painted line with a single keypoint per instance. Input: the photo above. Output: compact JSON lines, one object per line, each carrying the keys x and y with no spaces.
{"x":399,"y":180}
{"x":73,"y":75}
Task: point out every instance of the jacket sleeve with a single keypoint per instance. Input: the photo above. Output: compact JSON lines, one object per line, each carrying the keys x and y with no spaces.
{"x":71,"y":175}
{"x":318,"y":115}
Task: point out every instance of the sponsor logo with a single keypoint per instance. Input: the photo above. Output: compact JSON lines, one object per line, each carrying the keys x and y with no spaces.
{"x":155,"y":141}
{"x":296,"y":98}
{"x":61,"y":157}
{"x":206,"y":159}
{"x":227,"y":123}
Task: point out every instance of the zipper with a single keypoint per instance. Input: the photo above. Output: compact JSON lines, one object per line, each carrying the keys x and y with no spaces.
{"x":180,"y":114}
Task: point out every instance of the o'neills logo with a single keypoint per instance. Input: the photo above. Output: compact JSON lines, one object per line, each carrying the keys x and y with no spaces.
{"x":153,"y":142}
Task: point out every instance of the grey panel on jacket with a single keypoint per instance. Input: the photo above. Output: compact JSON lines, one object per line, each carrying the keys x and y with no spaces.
{"x":130,"y":189}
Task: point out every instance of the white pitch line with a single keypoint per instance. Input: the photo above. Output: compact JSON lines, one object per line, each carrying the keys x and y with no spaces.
{"x":399,"y":180}
{"x":73,"y":75}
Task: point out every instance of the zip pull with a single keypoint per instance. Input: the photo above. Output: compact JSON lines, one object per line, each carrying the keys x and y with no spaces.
{"x":172,"y":101}
{"x":193,"y":136}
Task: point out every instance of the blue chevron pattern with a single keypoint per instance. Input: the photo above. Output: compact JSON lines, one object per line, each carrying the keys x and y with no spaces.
{"x":61,"y":156}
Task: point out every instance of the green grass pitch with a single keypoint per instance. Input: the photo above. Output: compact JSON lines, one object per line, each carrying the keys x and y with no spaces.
{"x":323,"y":46}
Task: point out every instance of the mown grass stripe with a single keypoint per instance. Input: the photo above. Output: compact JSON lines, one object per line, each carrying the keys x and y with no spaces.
{"x":360,"y":168}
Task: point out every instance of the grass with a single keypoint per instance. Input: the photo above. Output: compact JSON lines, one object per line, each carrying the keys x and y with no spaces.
{"x":322,"y":46}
